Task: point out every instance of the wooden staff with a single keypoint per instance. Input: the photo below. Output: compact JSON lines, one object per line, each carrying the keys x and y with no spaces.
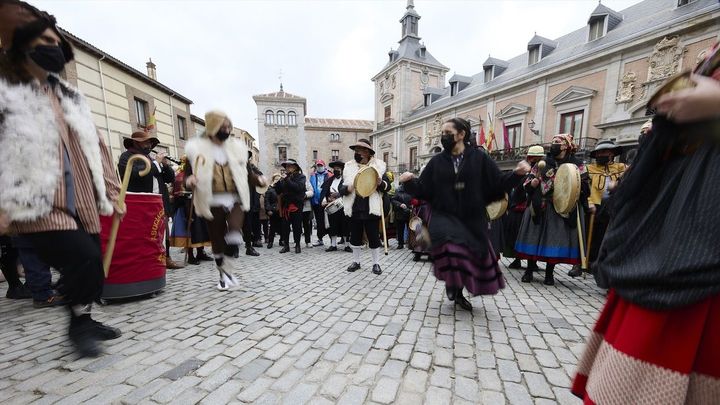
{"x":590,"y":237}
{"x":191,"y":209}
{"x":121,"y":204}
{"x":382,"y":220}
{"x":583,"y":258}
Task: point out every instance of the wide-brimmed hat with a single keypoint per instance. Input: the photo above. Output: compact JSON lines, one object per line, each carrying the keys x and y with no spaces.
{"x":214,"y":120}
{"x":21,"y":23}
{"x":288,"y":162}
{"x":363,"y":143}
{"x":14,"y":14}
{"x":606,"y":145}
{"x":337,"y":163}
{"x":536,"y":151}
{"x":139,"y":136}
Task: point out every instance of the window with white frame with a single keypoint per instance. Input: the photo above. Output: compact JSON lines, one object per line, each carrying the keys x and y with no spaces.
{"x":292,"y":118}
{"x":335,"y":155}
{"x":269,"y":117}
{"x":597,"y":28}
{"x":488,"y":74}
{"x":534,"y":55}
{"x":282,"y":153}
{"x":334,"y":137}
{"x":182,"y":127}
{"x":572,"y":123}
{"x":141,"y":112}
{"x":280,"y":117}
{"x":514,"y":135}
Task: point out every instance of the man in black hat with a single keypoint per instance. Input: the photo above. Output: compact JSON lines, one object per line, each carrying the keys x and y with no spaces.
{"x":330,"y":194}
{"x":364,"y":212}
{"x":291,"y":189}
{"x":161,"y":173}
{"x":603,"y":173}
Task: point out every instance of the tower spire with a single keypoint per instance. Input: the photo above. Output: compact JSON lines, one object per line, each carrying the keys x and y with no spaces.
{"x":410,"y":21}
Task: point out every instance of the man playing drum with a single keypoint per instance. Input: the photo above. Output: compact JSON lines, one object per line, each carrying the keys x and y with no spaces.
{"x":332,"y":204}
{"x":364,"y":212}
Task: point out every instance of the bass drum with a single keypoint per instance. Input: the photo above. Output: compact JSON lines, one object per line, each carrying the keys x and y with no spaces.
{"x":566,"y":192}
{"x":334,"y":206}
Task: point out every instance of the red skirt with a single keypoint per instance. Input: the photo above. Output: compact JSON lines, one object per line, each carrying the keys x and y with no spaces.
{"x":636,"y":355}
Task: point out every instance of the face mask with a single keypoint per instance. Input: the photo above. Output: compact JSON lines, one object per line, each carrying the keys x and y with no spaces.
{"x":321,"y":169}
{"x":222,"y":135}
{"x":602,"y":160}
{"x":146,"y":150}
{"x":49,"y":58}
{"x":337,"y":173}
{"x":358,"y":157}
{"x":448,"y":141}
{"x":555,"y":149}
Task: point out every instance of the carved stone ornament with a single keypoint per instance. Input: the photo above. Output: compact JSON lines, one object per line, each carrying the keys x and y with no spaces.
{"x":394,"y":82}
{"x":434,"y":131}
{"x":627,"y":88}
{"x":424,"y":78}
{"x":666,"y":59}
{"x":701,"y":57}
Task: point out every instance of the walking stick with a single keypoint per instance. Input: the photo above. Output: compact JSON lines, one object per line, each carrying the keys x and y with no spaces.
{"x":590,"y":238}
{"x":192,"y":209}
{"x":121,"y":204}
{"x":382,"y":220}
{"x":583,"y":258}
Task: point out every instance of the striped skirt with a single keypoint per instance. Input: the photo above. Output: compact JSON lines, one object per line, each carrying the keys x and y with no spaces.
{"x":551,"y":240}
{"x":461,"y":260}
{"x":639,"y":356}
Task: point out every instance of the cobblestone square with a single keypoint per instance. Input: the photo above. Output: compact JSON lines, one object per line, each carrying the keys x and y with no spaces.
{"x":303,"y":330}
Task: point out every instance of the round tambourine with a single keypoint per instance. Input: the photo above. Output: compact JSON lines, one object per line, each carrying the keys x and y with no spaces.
{"x":334,"y":206}
{"x":566,"y":191}
{"x":366,"y":181}
{"x":496,"y":209}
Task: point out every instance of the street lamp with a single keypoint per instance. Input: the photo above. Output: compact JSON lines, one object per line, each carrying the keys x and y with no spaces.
{"x":531,"y":125}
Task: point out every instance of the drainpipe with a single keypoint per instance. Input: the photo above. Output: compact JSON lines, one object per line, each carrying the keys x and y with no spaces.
{"x":172,"y":124}
{"x":107,"y":116}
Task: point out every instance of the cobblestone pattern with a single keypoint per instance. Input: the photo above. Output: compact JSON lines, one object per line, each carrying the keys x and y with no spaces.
{"x":303,"y":330}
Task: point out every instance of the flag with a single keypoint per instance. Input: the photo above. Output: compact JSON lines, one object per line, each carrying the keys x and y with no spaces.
{"x":491,"y":136}
{"x":506,"y":137}
{"x":151,"y":122}
{"x":481,"y":137}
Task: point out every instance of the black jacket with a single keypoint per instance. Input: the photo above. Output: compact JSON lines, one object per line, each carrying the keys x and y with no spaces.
{"x":292,"y":189}
{"x":271,"y":200}
{"x":401,"y":197}
{"x":144,"y":184}
{"x":325,"y":189}
{"x":253,"y":172}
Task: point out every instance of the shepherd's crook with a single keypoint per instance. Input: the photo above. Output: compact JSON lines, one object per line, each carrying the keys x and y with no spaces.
{"x":121,"y":204}
{"x":192,"y":208}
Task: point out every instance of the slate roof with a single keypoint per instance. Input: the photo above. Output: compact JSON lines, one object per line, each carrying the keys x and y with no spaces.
{"x":410,"y":49}
{"x":637,"y":20}
{"x":339,"y":123}
{"x":280,"y":94}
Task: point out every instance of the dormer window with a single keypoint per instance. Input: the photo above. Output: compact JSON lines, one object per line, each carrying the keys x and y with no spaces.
{"x":423,"y":51}
{"x":488,"y":74}
{"x":453,"y":88}
{"x":597,"y":28}
{"x":683,"y":2}
{"x":427,"y":100}
{"x":534,"y":55}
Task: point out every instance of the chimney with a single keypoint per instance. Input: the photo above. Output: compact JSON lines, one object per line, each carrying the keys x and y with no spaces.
{"x":151,"y":71}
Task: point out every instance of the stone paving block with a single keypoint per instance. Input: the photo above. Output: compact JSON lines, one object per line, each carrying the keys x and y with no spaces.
{"x":366,"y":374}
{"x":253,"y":369}
{"x":441,"y":377}
{"x":171,"y":391}
{"x":415,"y":381}
{"x":353,"y":395}
{"x":466,"y":388}
{"x":334,"y":386}
{"x":421,"y":361}
{"x":224,"y":393}
{"x":301,"y":394}
{"x":401,"y":352}
{"x":393,"y":368}
{"x":253,"y":391}
{"x":385,"y":390}
{"x":538,"y":385}
{"x":438,"y":396}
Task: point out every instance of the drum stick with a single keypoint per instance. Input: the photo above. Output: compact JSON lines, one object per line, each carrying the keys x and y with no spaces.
{"x":590,"y":238}
{"x":121,"y":204}
{"x":192,"y":208}
{"x":583,"y":258}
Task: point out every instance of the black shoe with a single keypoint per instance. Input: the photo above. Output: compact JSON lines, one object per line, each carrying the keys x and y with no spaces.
{"x":549,"y":278}
{"x":202,"y":256}
{"x":400,"y":247}
{"x":516,"y":264}
{"x":83,"y":336}
{"x":376,"y":269}
{"x":463,"y":302}
{"x":297,"y":248}
{"x":348,"y":249}
{"x":331,"y":249}
{"x":193,"y":260}
{"x":104,"y":332}
{"x":19,"y":292}
{"x":285,"y":249}
{"x":353,"y":267}
{"x":528,"y":276}
{"x":281,"y":243}
{"x":575,"y":271}
{"x":250,"y":251}
{"x":270,"y":245}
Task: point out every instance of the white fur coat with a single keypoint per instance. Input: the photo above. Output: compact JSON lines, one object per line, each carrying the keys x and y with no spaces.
{"x":29,"y":145}
{"x":237,"y":154}
{"x":349,"y":172}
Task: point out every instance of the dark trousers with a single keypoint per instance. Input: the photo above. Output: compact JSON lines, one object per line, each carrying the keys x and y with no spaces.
{"x":400,"y":231}
{"x":371,"y":227}
{"x":295,"y":221}
{"x":37,"y":272}
{"x":8,"y":262}
{"x":265,"y":225}
{"x":255,"y":226}
{"x":77,"y":256}
{"x":275,"y":227}
{"x":307,"y":218}
{"x":319,"y":213}
{"x":221,"y":222}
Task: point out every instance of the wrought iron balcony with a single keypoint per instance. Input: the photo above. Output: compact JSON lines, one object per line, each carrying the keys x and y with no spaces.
{"x":516,"y":154}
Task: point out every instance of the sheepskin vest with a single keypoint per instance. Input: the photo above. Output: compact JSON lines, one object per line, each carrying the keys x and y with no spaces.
{"x":237,"y":154}
{"x":29,"y":146}
{"x":352,"y":168}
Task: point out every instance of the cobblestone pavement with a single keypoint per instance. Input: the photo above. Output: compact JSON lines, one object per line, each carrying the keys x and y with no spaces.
{"x":303,"y":330}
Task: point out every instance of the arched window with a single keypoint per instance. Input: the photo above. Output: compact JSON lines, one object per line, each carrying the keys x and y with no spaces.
{"x":269,"y":117}
{"x":281,"y":117}
{"x":292,"y":118}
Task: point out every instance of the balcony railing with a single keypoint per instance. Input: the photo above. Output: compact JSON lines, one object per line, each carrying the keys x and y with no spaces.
{"x":516,"y":154}
{"x":385,"y":123}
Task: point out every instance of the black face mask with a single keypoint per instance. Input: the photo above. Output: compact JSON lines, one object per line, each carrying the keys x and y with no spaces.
{"x":146,"y":150}
{"x":337,"y":173}
{"x":358,"y":157}
{"x":49,"y":58}
{"x":602,"y":160}
{"x":448,"y":141}
{"x":222,"y":135}
{"x":555,"y":149}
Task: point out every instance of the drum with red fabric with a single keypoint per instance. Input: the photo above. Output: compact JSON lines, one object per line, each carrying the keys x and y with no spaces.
{"x":138,"y":263}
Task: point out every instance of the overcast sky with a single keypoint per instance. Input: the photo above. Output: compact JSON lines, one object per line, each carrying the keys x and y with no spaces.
{"x":219,"y":53}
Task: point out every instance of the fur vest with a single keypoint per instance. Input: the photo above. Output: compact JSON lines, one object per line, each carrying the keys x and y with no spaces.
{"x":351,"y":170}
{"x":29,"y":145}
{"x":237,"y":154}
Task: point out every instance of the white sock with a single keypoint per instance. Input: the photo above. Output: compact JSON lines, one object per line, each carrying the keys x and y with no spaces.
{"x":234,"y":238}
{"x":376,"y":255}
{"x":79,"y":310}
{"x":333,"y":241}
{"x":356,"y":253}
